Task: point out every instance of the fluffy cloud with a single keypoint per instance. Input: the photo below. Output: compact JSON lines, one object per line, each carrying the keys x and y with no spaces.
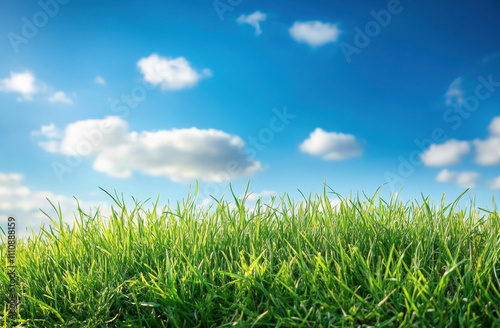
{"x":99,"y":80}
{"x":20,"y":201}
{"x":179,"y":154}
{"x":60,"y":97}
{"x":253,"y":20}
{"x":170,"y":73}
{"x":495,"y":183}
{"x":331,"y":145}
{"x":488,"y":150}
{"x":448,"y":153}
{"x":314,"y":33}
{"x":462,"y":179}
{"x":21,"y":83}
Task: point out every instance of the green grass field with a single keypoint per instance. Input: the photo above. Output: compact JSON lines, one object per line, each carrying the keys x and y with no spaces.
{"x":302,"y":263}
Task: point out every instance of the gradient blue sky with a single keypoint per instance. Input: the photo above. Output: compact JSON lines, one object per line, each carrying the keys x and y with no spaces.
{"x":416,"y":75}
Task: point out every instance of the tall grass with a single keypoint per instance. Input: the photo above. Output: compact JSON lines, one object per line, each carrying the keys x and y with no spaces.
{"x":366,"y":262}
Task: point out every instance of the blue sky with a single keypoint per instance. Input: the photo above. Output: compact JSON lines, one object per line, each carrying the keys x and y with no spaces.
{"x":184,"y":87}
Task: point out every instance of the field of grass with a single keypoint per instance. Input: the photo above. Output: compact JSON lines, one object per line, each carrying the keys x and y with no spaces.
{"x":287,"y":263}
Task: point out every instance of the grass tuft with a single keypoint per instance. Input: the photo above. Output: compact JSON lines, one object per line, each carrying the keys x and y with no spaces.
{"x":365,"y":262}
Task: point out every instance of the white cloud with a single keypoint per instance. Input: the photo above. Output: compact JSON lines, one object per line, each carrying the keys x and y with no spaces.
{"x":24,"y":203}
{"x":22,"y":83}
{"x":254,"y":20}
{"x":448,"y":153}
{"x":26,"y":85}
{"x":49,"y":146}
{"x":91,"y":137}
{"x":179,"y":154}
{"x":446,"y":176}
{"x":60,"y":97}
{"x":170,"y":73}
{"x":50,"y":131}
{"x":99,"y":80}
{"x":251,"y":199}
{"x":455,"y":93}
{"x":331,"y":145}
{"x":494,"y":127}
{"x":488,"y":150}
{"x":334,"y":204}
{"x":314,"y":33}
{"x":263,"y":194}
{"x":462,"y":179}
{"x":495,"y":183}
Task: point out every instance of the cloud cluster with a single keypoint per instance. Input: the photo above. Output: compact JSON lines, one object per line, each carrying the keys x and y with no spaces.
{"x":178,"y":154}
{"x":463,"y":179}
{"x":26,"y":85}
{"x":451,"y":152}
{"x":170,"y":73}
{"x":51,"y":133}
{"x":331,"y":145}
{"x":24,"y":203}
{"x":314,"y":33}
{"x":487,"y":153}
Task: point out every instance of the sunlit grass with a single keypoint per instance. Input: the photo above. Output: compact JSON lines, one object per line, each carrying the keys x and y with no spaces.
{"x":366,"y":262}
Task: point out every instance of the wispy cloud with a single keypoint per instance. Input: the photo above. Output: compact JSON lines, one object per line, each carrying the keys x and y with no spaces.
{"x":60,"y":97}
{"x":49,"y":131}
{"x":99,"y":80}
{"x":254,"y":20}
{"x":455,"y":93}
